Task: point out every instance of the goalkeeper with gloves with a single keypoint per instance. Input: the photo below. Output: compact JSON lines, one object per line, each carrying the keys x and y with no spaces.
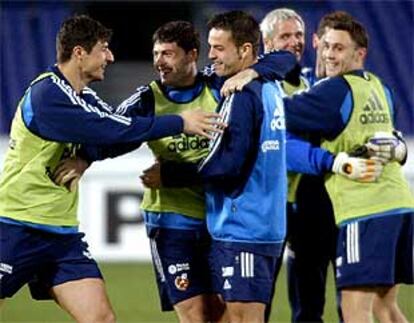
{"x":349,"y":109}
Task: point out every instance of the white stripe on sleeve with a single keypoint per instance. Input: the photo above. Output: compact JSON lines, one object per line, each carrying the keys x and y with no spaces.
{"x":77,"y":100}
{"x":224,"y":112}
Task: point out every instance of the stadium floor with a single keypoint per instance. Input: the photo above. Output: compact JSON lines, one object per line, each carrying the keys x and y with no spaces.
{"x":134,"y":297}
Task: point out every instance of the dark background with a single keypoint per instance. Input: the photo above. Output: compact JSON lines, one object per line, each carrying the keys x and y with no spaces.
{"x":28,"y":30}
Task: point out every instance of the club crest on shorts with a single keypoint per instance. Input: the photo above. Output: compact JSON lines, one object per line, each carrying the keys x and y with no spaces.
{"x":182,"y":282}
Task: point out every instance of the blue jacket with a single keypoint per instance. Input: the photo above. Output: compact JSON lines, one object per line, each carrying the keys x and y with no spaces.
{"x":246,"y":196}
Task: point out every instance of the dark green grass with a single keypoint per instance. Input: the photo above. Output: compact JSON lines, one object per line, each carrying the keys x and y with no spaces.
{"x":133,"y":293}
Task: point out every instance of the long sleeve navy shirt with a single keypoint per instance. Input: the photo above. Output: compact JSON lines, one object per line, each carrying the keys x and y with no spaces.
{"x":54,"y":111}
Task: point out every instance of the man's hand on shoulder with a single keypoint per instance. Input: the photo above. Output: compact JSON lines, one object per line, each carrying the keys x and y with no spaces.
{"x":238,"y":82}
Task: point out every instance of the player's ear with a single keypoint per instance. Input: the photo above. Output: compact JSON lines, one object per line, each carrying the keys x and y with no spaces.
{"x":192,"y":54}
{"x":315,"y":40}
{"x":246,"y":50}
{"x":268,"y":45}
{"x":78,"y":52}
{"x":362,"y":53}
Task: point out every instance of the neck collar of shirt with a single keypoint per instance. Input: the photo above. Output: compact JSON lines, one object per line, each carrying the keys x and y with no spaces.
{"x":55,"y":69}
{"x":183,"y":94}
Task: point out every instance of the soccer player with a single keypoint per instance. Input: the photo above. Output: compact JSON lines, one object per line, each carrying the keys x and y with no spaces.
{"x":175,"y":217}
{"x":246,"y":229}
{"x":375,"y":220}
{"x":40,"y":241}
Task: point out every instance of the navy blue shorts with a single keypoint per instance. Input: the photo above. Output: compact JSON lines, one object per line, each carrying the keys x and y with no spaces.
{"x":180,"y":259}
{"x":376,"y":252}
{"x":242,"y":276}
{"x":42,"y":260}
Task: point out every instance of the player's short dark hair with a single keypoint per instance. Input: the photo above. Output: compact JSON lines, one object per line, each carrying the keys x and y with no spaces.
{"x":341,"y":20}
{"x":330,"y":19}
{"x":80,"y":30}
{"x":243,"y":27}
{"x":181,"y":32}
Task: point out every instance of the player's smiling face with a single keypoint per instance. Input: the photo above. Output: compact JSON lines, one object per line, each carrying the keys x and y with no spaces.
{"x":174,"y":66}
{"x":224,"y":53}
{"x":289,"y":35}
{"x":340,"y":53}
{"x":93,"y":64}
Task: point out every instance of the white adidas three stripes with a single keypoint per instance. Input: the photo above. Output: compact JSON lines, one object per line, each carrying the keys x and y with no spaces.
{"x":352,"y":243}
{"x":246,"y":264}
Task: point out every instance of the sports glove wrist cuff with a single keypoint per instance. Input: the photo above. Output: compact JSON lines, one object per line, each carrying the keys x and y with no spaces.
{"x":340,"y":164}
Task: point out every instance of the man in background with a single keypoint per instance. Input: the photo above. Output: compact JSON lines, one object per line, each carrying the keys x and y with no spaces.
{"x":312,"y":233}
{"x":307,"y":258}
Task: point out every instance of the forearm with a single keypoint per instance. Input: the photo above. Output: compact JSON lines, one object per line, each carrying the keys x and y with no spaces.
{"x":304,"y":158}
{"x":277,"y":65}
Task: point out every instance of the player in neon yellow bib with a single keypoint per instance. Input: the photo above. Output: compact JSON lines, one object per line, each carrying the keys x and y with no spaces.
{"x":375,"y":220}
